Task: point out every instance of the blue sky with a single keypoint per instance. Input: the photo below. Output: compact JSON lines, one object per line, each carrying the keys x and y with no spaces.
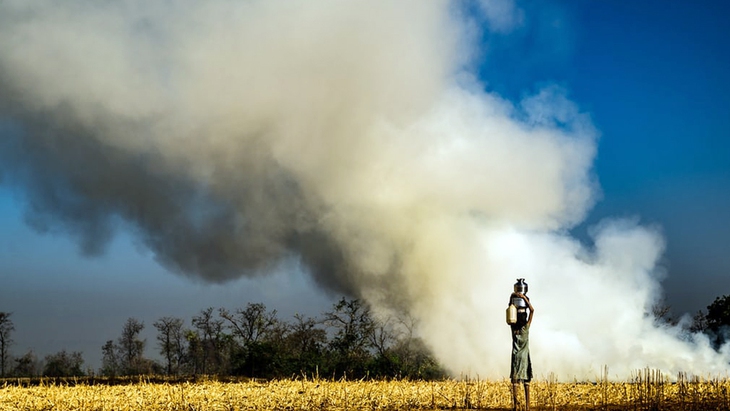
{"x":655,"y":78}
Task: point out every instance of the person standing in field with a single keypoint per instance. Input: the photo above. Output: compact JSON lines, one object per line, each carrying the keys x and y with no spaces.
{"x":521,"y":364}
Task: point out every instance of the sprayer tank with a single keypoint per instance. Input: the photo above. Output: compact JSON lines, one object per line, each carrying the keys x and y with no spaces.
{"x":520,"y":287}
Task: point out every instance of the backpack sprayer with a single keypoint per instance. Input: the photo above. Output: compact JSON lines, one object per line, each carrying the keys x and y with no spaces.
{"x":517,"y":304}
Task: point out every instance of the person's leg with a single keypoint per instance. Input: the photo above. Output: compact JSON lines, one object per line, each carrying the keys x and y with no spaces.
{"x":527,"y":396}
{"x":515,"y":401}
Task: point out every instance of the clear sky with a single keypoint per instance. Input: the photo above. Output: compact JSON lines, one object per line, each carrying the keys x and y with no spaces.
{"x":654,"y":77}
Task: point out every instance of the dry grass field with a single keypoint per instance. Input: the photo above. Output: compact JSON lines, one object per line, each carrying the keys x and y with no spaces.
{"x":646,"y":391}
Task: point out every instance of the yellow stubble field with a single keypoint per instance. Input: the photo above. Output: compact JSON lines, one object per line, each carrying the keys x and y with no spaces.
{"x":648,"y":390}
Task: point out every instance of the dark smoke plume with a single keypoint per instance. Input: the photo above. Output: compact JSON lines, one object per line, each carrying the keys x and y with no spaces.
{"x":231,"y":135}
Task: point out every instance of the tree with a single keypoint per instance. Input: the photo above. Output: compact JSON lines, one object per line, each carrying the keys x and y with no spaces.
{"x":26,"y":366}
{"x":251,"y":324}
{"x":306,"y":341}
{"x":110,"y":366}
{"x":131,"y":348}
{"x":699,"y":323}
{"x":718,"y":320}
{"x":126,"y":355}
{"x":6,"y":329}
{"x":63,"y":364}
{"x":662,"y":313}
{"x":399,"y":353}
{"x":416,"y":361}
{"x":383,"y":336}
{"x":210,"y":342}
{"x":353,"y":326}
{"x":194,"y":355}
{"x":171,"y":340}
{"x":259,"y":338}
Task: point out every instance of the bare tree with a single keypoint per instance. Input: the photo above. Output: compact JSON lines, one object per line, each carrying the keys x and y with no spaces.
{"x":131,"y":348}
{"x":210,"y":340}
{"x":171,"y":340}
{"x":305,"y":342}
{"x":6,"y":329}
{"x":383,"y":335}
{"x":251,"y":324}
{"x":350,"y":345}
{"x":305,"y":337}
{"x":352,"y":323}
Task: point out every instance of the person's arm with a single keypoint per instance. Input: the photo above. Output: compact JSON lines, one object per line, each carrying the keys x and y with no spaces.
{"x":529,"y":305}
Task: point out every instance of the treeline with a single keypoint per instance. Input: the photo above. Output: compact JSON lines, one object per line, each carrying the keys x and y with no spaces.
{"x":347,"y":341}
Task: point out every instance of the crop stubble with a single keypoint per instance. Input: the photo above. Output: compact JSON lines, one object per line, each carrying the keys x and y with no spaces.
{"x":646,"y":390}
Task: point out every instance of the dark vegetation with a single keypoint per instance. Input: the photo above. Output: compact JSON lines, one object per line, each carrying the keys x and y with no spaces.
{"x":250,"y":342}
{"x":715,"y":323}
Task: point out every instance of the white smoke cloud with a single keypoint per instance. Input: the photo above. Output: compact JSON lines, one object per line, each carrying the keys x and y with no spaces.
{"x":231,"y":135}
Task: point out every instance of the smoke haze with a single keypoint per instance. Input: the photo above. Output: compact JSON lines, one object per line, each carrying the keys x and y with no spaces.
{"x":351,"y":136}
